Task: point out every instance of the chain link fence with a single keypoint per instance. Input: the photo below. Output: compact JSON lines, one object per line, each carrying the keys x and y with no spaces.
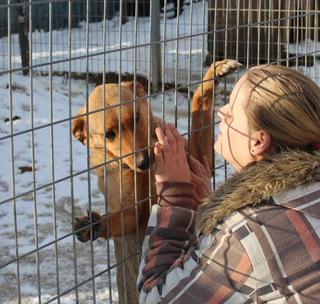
{"x":52,"y":55}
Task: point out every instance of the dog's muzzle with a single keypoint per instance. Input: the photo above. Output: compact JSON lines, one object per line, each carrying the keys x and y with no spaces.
{"x":143,"y":161}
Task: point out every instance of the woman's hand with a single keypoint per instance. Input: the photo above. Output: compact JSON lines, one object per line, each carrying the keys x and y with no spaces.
{"x":170,"y":157}
{"x":201,"y":177}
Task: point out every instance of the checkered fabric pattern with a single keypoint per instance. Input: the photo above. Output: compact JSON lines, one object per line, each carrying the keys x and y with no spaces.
{"x":269,"y":253}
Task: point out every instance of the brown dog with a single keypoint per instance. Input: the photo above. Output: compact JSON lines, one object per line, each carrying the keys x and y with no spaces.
{"x":118,"y":128}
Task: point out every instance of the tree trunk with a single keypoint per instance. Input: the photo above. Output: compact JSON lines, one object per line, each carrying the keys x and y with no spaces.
{"x":23,"y":38}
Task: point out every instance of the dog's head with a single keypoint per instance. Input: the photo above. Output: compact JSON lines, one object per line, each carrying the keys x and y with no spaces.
{"x":111,"y":124}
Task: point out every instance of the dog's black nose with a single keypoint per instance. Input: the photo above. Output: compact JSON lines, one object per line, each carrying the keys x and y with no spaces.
{"x":143,"y":161}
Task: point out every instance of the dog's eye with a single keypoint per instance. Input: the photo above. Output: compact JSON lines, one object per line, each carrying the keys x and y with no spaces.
{"x":137,"y":116}
{"x":110,"y":134}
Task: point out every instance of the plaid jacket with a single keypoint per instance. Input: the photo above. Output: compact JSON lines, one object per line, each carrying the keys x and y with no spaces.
{"x":269,"y":253}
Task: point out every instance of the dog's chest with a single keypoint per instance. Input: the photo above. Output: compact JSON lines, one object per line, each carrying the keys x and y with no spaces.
{"x":120,"y":192}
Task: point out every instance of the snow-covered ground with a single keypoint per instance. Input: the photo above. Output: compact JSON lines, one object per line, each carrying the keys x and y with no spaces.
{"x":93,"y":47}
{"x":43,"y":201}
{"x":46,"y":215}
{"x":52,"y":164}
{"x":47,"y":107}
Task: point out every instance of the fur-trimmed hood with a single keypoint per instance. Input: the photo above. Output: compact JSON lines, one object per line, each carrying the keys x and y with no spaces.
{"x":257,"y":183}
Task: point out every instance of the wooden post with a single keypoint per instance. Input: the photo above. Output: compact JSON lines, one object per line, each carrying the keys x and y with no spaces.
{"x":23,"y":38}
{"x":155,"y":46}
{"x":124,"y":15}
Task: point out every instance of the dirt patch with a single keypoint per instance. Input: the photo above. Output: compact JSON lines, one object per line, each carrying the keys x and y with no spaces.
{"x":17,"y":88}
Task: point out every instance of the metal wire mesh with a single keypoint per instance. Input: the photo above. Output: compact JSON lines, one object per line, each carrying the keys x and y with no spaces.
{"x":52,"y":55}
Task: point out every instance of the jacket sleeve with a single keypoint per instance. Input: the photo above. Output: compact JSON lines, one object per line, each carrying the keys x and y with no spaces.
{"x":176,"y":266}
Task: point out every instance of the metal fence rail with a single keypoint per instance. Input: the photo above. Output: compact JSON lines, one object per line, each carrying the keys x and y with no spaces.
{"x":52,"y":55}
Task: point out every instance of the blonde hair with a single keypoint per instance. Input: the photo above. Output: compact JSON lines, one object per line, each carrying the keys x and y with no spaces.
{"x":284,"y":103}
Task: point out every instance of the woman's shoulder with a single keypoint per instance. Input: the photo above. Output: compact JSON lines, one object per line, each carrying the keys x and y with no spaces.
{"x":281,"y":238}
{"x":278,"y":212}
{"x":304,"y":199}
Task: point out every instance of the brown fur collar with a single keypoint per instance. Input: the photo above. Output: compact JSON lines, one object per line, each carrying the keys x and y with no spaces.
{"x":258,"y":182}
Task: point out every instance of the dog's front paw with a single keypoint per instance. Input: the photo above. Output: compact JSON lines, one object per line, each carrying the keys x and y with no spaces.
{"x":82,"y":226}
{"x":225,"y":67}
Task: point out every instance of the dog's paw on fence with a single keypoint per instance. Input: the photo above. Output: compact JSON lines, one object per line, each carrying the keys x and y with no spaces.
{"x":84,"y":224}
{"x":225,"y":67}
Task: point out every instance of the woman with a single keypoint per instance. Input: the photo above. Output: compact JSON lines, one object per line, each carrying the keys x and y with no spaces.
{"x":256,"y":238}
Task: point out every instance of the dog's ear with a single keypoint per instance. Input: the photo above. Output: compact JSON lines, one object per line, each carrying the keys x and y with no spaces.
{"x":140,"y":92}
{"x":79,"y":126}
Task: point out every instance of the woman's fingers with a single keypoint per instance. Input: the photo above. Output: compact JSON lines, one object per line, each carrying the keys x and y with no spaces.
{"x":198,"y":180}
{"x":170,"y":136}
{"x":200,"y":168}
{"x":171,"y":161}
{"x":203,"y":188}
{"x":195,"y":179}
{"x":159,"y":163}
{"x":166,"y":138}
{"x":158,"y":158}
{"x":203,"y":168}
{"x":178,"y":138}
{"x":161,"y":137}
{"x":206,"y":166}
{"x":158,"y":153}
{"x":197,"y":167}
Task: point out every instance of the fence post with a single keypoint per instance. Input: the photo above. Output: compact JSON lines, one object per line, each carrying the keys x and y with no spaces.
{"x":155,"y":45}
{"x":23,"y":37}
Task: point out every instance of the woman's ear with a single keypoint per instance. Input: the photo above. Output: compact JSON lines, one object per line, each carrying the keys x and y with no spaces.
{"x":262,"y":143}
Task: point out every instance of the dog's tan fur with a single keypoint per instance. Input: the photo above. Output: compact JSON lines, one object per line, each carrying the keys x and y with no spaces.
{"x":123,"y":213}
{"x":98,"y":156}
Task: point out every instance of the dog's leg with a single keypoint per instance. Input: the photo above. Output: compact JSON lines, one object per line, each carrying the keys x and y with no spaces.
{"x":124,"y":222}
{"x":202,"y":109}
{"x":127,"y":270}
{"x":126,"y":245}
{"x":112,"y":225}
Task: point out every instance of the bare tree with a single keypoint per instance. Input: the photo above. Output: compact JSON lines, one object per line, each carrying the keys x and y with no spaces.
{"x":23,"y":37}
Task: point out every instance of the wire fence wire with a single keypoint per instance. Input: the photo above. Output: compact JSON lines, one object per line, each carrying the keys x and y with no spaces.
{"x":52,"y":55}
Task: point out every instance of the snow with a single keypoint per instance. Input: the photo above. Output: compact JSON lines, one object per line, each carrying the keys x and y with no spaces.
{"x":113,"y":40}
{"x":43,"y":200}
{"x":55,"y":152}
{"x":63,"y":103}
